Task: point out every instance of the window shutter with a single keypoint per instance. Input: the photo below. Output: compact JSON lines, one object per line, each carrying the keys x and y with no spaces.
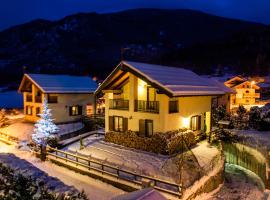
{"x":80,"y":110}
{"x":142,"y":127}
{"x":199,"y":123}
{"x":70,"y":111}
{"x":125,"y":124}
{"x":110,"y":123}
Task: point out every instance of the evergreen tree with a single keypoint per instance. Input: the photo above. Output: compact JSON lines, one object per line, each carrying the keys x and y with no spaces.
{"x":44,"y":128}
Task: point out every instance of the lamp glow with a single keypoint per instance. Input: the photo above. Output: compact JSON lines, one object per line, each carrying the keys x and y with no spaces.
{"x":186,"y":122}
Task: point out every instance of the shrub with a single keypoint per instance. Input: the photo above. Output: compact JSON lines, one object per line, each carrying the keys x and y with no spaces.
{"x":14,"y":185}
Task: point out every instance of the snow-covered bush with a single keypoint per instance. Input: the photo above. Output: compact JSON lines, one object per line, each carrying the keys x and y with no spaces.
{"x":220,"y":113}
{"x":259,"y":118}
{"x":14,"y":185}
{"x":3,"y":118}
{"x":45,"y":129}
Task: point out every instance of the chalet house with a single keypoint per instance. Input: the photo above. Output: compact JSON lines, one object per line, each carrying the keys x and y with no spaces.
{"x":69,"y":97}
{"x":246,"y":91}
{"x":150,"y":98}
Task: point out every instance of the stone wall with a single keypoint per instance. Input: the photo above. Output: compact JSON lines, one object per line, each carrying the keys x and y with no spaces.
{"x":163,"y":143}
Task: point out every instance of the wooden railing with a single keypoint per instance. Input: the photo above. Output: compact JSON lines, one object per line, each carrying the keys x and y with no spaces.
{"x":146,"y":106}
{"x":38,"y":99}
{"x":29,"y":98}
{"x":119,"y":104}
{"x":114,"y":171}
{"x":9,"y":137}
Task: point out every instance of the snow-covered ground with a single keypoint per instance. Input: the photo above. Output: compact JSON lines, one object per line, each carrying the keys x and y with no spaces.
{"x":259,"y":138}
{"x":164,"y":167}
{"x":239,"y":184}
{"x":24,"y":130}
{"x":11,"y":99}
{"x":56,"y":176}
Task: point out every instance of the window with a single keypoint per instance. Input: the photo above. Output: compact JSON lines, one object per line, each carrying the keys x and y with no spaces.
{"x":75,"y":110}
{"x":247,"y":91}
{"x":173,"y":106}
{"x":52,"y":98}
{"x":118,"y":123}
{"x":28,"y":110}
{"x":146,"y":127}
{"x":195,"y":123}
{"x":37,"y":111}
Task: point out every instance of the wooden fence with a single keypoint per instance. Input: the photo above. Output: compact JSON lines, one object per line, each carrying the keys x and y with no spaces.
{"x":115,"y":171}
{"x":9,"y":138}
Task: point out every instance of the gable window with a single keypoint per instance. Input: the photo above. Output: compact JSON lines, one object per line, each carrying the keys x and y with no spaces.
{"x":28,"y":110}
{"x":146,"y":127}
{"x":75,"y":110}
{"x":173,"y":106}
{"x":195,"y":123}
{"x":37,"y":111}
{"x":52,"y":98}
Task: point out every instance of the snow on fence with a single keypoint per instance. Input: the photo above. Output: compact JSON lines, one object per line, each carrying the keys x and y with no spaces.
{"x":9,"y":138}
{"x":115,"y":171}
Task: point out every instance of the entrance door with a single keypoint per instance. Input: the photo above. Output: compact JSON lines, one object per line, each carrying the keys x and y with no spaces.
{"x":148,"y":128}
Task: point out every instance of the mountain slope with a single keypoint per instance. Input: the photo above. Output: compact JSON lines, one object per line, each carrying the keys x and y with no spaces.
{"x":91,"y":43}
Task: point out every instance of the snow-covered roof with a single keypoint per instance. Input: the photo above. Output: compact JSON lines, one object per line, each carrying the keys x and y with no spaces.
{"x":178,"y":81}
{"x":264,"y":85}
{"x":62,"y":83}
{"x":144,"y":194}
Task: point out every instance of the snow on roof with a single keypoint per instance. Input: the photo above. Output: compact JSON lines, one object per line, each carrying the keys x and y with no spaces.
{"x":63,"y":83}
{"x":264,"y":85}
{"x":178,"y":81}
{"x":144,"y":194}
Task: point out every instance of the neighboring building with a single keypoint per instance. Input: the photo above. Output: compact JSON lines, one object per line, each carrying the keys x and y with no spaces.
{"x":69,"y":97}
{"x":247,"y":92}
{"x":264,"y":90}
{"x":151,"y":98}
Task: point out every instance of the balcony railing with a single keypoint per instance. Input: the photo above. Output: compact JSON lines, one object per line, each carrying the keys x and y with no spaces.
{"x":254,"y":95}
{"x":119,"y":104}
{"x":146,"y":106}
{"x":29,"y":98}
{"x":38,"y":99}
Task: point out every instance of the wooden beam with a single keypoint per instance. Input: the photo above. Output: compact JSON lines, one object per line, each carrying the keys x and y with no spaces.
{"x":112,"y":91}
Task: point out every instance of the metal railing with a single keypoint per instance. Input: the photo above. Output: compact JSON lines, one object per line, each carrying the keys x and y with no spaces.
{"x":29,"y":98}
{"x":119,"y":104}
{"x":9,"y":137}
{"x":114,"y":171}
{"x":146,"y":106}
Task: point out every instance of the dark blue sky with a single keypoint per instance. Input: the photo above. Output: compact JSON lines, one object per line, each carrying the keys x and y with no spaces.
{"x":14,"y":12}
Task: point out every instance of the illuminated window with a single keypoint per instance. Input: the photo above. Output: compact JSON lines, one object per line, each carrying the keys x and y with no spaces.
{"x":37,"y":111}
{"x":28,"y":110}
{"x":118,"y":123}
{"x":195,"y":123}
{"x":75,"y":110}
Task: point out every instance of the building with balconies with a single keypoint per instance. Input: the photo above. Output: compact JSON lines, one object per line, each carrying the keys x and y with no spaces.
{"x":69,"y":97}
{"x":246,"y":91}
{"x":149,"y":98}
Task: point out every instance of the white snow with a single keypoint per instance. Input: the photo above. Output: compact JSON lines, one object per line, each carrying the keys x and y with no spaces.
{"x":24,"y":130}
{"x":94,"y":189}
{"x":63,"y":83}
{"x":140,"y":161}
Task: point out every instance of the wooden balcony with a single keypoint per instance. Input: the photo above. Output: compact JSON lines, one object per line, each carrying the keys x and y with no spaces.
{"x":119,"y":104}
{"x":38,"y":99}
{"x":29,"y":98}
{"x":146,"y":106}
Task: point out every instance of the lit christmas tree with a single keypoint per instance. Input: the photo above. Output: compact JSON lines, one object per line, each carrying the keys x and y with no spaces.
{"x":44,"y":128}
